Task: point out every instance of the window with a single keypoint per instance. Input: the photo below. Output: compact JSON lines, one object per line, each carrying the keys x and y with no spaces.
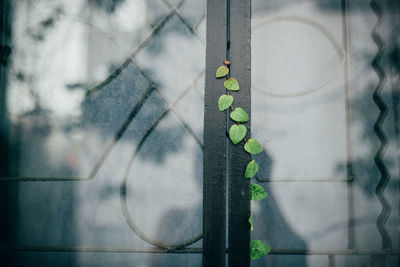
{"x":113,"y":151}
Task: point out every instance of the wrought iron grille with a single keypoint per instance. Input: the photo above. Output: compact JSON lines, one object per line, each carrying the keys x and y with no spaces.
{"x":105,"y":165}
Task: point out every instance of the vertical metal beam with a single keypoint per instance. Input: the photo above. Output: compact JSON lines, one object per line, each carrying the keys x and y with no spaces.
{"x":5,"y":52}
{"x":214,"y":185}
{"x":8,"y":192}
{"x":239,"y":193}
{"x":349,"y":147}
{"x":394,"y":59}
{"x":331,"y":259}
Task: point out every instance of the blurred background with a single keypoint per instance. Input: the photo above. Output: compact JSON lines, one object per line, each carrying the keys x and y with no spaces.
{"x":101,"y":116}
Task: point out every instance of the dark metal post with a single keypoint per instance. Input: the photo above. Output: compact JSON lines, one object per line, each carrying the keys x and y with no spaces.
{"x":8,"y":192}
{"x":214,"y":186}
{"x":239,"y":193}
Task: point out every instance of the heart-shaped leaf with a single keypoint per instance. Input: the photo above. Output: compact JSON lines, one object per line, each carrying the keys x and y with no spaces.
{"x":239,"y":115}
{"x":222,"y":71}
{"x":224,"y":102}
{"x":258,"y":249}
{"x":231,"y":84}
{"x":252,"y":146}
{"x":251,"y":222}
{"x":237,"y":133}
{"x":251,"y":169}
{"x":257,"y":192}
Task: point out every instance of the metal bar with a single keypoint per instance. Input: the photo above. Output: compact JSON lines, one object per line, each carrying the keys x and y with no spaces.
{"x":100,"y":249}
{"x":349,"y":146}
{"x":395,"y":81}
{"x":7,"y":191}
{"x":42,"y":179}
{"x":239,"y":192}
{"x":331,"y":259}
{"x":333,"y":252}
{"x":85,"y":178}
{"x":195,"y":250}
{"x":214,"y":157}
{"x":5,"y":52}
{"x":379,"y":132}
{"x":303,"y":180}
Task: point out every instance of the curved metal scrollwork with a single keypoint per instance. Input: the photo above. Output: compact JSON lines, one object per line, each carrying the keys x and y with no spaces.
{"x":385,"y":177}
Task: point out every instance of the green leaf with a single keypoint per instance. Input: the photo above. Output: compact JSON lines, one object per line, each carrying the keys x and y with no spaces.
{"x":252,"y":146}
{"x":237,"y":133}
{"x":251,"y":222}
{"x":239,"y":115}
{"x":257,"y":192}
{"x":251,"y":169}
{"x":222,"y":71}
{"x":224,"y":102}
{"x":258,"y":249}
{"x":231,"y":84}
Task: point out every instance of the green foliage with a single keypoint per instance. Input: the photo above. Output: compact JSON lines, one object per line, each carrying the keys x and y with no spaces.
{"x":251,"y":169}
{"x":231,"y":84}
{"x":222,"y":71}
{"x":237,"y":133}
{"x":258,"y":249}
{"x":251,"y":222}
{"x":239,"y":115}
{"x":224,"y":102}
{"x":253,"y":146}
{"x":257,"y":192}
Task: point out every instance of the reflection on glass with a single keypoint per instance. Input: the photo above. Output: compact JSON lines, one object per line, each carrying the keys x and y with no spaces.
{"x":313,"y":111}
{"x":105,"y":103}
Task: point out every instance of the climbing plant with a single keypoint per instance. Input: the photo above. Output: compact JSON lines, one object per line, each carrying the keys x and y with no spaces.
{"x":237,"y":134}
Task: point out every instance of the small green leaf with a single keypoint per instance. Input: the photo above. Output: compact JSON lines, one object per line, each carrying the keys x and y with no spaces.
{"x":239,"y":115}
{"x":224,"y":102}
{"x":258,"y":249}
{"x":251,"y":222}
{"x":252,"y":146}
{"x":237,"y":133}
{"x":222,"y":71}
{"x":231,"y":84}
{"x":257,"y":192}
{"x":251,"y":169}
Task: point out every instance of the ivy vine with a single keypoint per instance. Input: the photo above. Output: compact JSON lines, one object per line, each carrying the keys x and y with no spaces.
{"x":237,"y":133}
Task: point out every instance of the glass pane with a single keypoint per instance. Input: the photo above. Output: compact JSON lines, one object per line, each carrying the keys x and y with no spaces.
{"x":314,"y":113}
{"x":104,"y":122}
{"x":107,"y":259}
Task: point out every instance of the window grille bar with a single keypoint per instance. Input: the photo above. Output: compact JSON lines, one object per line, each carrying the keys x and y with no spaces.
{"x":239,"y":193}
{"x":214,"y":159}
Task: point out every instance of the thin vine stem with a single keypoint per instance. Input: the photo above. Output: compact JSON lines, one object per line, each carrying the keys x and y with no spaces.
{"x":237,"y":134}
